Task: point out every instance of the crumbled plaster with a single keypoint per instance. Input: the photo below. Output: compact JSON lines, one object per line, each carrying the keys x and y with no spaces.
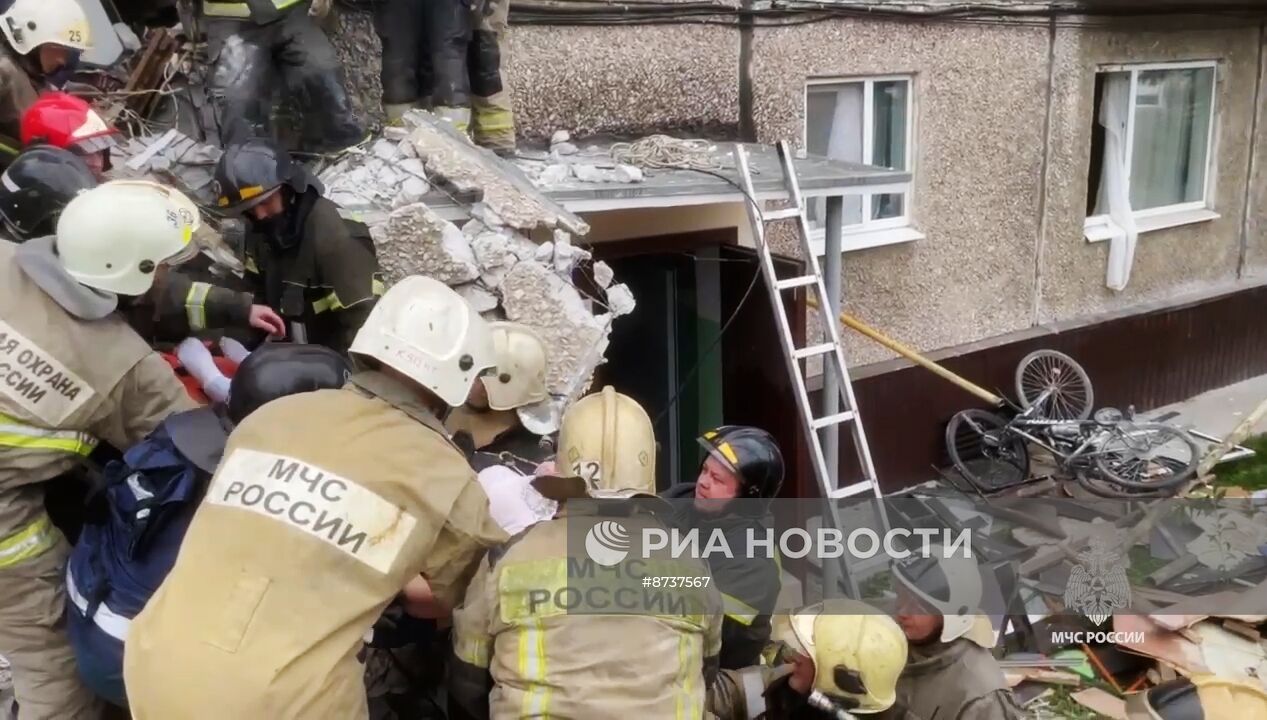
{"x":502,"y":187}
{"x":416,"y":241}
{"x":499,"y":271}
{"x":535,"y":296}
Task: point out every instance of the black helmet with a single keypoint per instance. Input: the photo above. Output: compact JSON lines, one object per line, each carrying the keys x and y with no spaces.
{"x":276,"y":370}
{"x":37,"y":186}
{"x":751,"y":453}
{"x":249,"y":172}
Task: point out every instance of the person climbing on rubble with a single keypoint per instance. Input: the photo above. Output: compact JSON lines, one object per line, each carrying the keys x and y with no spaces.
{"x":449,"y":56}
{"x":402,"y":663}
{"x":837,"y":655}
{"x":152,"y":494}
{"x":70,"y":123}
{"x":324,"y":506}
{"x":519,"y":652}
{"x":257,"y":46}
{"x":950,"y":674}
{"x":35,"y":188}
{"x":74,"y":374}
{"x":742,"y":471}
{"x":319,"y":271}
{"x":43,"y":41}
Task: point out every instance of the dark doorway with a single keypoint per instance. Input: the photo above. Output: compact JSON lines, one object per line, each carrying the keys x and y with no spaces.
{"x":668,"y":356}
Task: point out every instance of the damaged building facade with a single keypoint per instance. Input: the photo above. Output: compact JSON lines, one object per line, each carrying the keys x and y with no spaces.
{"x":1005,"y":234}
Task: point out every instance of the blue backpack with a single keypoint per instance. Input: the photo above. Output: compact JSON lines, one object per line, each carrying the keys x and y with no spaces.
{"x":118,"y":564}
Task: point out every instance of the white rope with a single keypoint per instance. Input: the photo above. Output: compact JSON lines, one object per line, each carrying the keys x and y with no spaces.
{"x":662,"y":151}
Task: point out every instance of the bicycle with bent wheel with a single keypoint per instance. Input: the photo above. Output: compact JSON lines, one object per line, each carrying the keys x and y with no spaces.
{"x":1110,"y":454}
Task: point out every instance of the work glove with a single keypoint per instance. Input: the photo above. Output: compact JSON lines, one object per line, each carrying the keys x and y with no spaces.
{"x":319,"y":8}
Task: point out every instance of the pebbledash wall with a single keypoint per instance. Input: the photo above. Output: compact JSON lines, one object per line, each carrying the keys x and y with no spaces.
{"x":1001,"y":152}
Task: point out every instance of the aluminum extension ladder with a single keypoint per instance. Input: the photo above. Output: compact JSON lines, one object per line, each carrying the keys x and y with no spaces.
{"x":831,"y":351}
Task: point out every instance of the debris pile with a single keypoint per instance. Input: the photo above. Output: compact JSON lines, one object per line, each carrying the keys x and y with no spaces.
{"x":1119,"y":596}
{"x":491,"y":259}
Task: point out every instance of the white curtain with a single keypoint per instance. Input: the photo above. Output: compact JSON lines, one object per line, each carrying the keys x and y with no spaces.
{"x":1115,"y":198}
{"x":846,"y":140}
{"x":1172,"y":122}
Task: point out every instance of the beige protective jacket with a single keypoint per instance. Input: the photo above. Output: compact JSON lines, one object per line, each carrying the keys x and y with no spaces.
{"x":66,"y":382}
{"x":326,"y":504}
{"x":529,"y":627}
{"x":959,"y":680}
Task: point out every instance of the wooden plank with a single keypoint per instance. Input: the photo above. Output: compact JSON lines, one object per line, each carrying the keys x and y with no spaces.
{"x":1101,"y":702}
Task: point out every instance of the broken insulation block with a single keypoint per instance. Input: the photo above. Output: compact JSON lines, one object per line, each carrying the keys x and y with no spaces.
{"x":534,"y":295}
{"x":416,"y":241}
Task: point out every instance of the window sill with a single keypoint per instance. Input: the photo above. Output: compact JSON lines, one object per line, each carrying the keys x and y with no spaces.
{"x":1099,"y":228}
{"x":866,"y":239}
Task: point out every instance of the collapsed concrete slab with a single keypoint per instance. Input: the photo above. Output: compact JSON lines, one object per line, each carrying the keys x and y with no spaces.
{"x":534,"y":295}
{"x":497,"y":184}
{"x":416,"y":241}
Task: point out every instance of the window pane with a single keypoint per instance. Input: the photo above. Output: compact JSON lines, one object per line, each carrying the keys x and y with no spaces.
{"x":887,"y":206}
{"x":833,"y":128}
{"x":888,"y":147}
{"x":1172,"y":130}
{"x":852,"y":210}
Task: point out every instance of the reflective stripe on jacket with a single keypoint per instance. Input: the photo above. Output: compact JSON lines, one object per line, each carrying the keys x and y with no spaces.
{"x":552,"y":632}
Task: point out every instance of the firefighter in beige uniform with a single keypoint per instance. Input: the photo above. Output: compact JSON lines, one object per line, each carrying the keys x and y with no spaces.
{"x":618,"y":654}
{"x":325,"y":505}
{"x":71,"y":372}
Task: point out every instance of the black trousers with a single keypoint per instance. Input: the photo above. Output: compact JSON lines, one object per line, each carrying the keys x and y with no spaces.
{"x":250,"y":59}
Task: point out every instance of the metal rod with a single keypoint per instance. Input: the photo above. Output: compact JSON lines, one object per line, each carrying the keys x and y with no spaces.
{"x":829,"y":403}
{"x":853,"y":323}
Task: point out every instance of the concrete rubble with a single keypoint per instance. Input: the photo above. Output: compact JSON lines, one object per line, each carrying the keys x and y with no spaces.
{"x":489,"y":259}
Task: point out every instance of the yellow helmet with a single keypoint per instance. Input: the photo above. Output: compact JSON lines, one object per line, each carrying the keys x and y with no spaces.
{"x":521,"y":367}
{"x":1216,"y":698}
{"x":858,"y":651}
{"x":607,"y":440}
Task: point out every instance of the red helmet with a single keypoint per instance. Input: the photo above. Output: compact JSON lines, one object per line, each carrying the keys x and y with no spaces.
{"x":67,"y":122}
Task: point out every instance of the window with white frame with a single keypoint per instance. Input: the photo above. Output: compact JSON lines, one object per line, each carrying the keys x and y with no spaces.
{"x":1151,"y":146}
{"x":866,"y":121}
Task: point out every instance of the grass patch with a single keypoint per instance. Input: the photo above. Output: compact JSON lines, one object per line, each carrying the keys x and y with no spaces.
{"x":1249,"y":473}
{"x":1142,"y":564}
{"x":1060,"y":705}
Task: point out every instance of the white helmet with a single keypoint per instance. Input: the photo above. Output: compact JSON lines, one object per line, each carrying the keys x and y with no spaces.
{"x":521,"y":367}
{"x":31,"y":23}
{"x":114,"y":236}
{"x":952,"y":586}
{"x":422,"y":328}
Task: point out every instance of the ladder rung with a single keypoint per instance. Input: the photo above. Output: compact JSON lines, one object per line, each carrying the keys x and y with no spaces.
{"x":838,"y":418}
{"x":850,"y":490}
{"x":811,"y":351}
{"x":784,"y":214}
{"x":796,"y":282}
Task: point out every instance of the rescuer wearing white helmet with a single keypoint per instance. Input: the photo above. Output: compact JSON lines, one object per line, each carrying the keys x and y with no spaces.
{"x":325,"y":505}
{"x":490,"y":423}
{"x":72,"y":374}
{"x":843,"y":658}
{"x":43,"y":40}
{"x":950,"y":671}
{"x":554,"y":627}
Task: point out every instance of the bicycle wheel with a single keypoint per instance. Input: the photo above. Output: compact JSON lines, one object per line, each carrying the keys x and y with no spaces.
{"x":1147,"y":456}
{"x":1070,"y":396}
{"x":985,"y":452}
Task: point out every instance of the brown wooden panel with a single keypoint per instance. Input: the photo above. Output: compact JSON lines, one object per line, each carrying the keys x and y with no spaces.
{"x":1147,"y":360}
